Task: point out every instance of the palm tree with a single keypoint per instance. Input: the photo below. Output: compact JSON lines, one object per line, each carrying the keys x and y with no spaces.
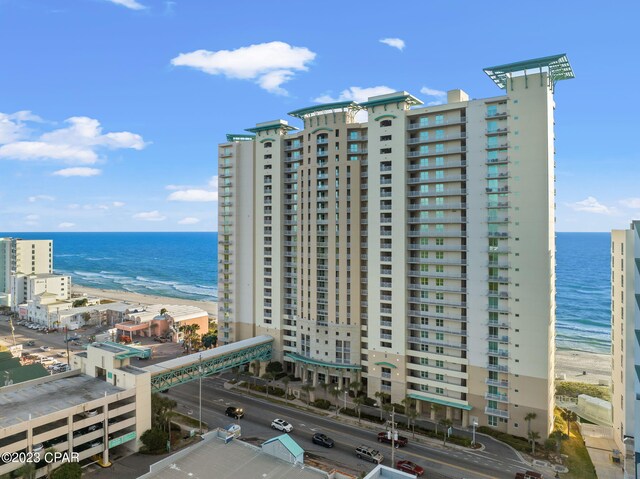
{"x":570,"y":417}
{"x":163,"y":311}
{"x":334,"y":391}
{"x":530,"y":417}
{"x":355,"y":386}
{"x":558,"y":436}
{"x":382,"y":397}
{"x":533,"y":437}
{"x":286,"y":380}
{"x":358,"y":401}
{"x":51,"y":451}
{"x":268,"y":377}
{"x":411,"y":412}
{"x":308,"y":389}
{"x":446,"y":423}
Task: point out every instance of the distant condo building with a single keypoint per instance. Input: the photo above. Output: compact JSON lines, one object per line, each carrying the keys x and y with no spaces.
{"x":625,"y":342}
{"x":413,"y":252}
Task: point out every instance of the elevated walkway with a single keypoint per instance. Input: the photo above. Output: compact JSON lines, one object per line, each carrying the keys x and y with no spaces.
{"x":206,"y":363}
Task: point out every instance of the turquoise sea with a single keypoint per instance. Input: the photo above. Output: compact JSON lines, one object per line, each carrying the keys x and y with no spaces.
{"x":185,"y":265}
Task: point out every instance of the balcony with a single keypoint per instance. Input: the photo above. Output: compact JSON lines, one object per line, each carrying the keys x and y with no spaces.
{"x":432,"y":220}
{"x":497,"y":397}
{"x":322,"y":152}
{"x":498,"y":114}
{"x":502,"y":175}
{"x":498,"y":264}
{"x":450,"y":262}
{"x":434,"y":139}
{"x":497,"y":131}
{"x":498,"y":367}
{"x":498,"y":234}
{"x":444,"y":151}
{"x":499,"y":279}
{"x":496,"y":412}
{"x":434,"y":342}
{"x":442,"y":179}
{"x":430,"y":274}
{"x":447,"y":192}
{"x":500,"y":339}
{"x":502,"y":353}
{"x":499,"y":324}
{"x":437,"y":233}
{"x":449,"y":121}
{"x":498,"y":309}
{"x":498,"y":161}
{"x":498,"y":204}
{"x":322,"y":141}
{"x":425,"y":327}
{"x":427,"y":247}
{"x":432,"y":166}
{"x":293,"y":146}
{"x":358,"y":138}
{"x":501,"y":146}
{"x":444,"y":289}
{"x":498,"y":294}
{"x":497,"y":383}
{"x":443,"y":206}
{"x":492,"y":219}
{"x":431,"y":315}
{"x":356,"y":151}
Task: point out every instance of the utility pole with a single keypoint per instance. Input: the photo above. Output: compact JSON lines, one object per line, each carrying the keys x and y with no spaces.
{"x":393,"y":437}
{"x":200,"y":396}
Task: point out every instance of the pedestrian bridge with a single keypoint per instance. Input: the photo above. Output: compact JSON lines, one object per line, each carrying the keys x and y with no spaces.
{"x":206,"y":363}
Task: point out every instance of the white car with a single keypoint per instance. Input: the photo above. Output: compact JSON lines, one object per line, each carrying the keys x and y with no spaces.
{"x":281,"y":425}
{"x":45,"y":348}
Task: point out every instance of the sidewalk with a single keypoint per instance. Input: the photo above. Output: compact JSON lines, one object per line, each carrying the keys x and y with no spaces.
{"x":600,"y":446}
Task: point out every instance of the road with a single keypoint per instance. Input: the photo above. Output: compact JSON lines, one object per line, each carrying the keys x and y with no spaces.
{"x":439,"y":462}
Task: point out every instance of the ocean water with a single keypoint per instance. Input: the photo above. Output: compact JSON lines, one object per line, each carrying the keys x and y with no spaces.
{"x":179,"y":265}
{"x":184,"y":265}
{"x":583,"y":291}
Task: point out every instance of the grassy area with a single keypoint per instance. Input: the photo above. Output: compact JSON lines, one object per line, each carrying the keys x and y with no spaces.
{"x":188,"y":420}
{"x":574,"y":389}
{"x":578,"y":462}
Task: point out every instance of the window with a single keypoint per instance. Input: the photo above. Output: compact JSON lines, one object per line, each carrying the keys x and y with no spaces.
{"x":385,"y":151}
{"x":439,"y":119}
{"x":385,"y":123}
{"x":439,"y":147}
{"x":493,"y":420}
{"x":439,"y":134}
{"x":424,"y":121}
{"x":267,"y":144}
{"x":492,"y":110}
{"x":385,"y":138}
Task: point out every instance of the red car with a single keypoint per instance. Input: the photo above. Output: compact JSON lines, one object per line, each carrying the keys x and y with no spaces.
{"x":400,"y":442}
{"x":410,"y":467}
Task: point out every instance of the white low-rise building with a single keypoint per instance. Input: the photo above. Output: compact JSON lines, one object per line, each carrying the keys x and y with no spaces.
{"x":25,"y":288}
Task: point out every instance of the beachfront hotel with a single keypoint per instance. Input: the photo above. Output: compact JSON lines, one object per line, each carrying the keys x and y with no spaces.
{"x":413,"y":252}
{"x":625,"y":343}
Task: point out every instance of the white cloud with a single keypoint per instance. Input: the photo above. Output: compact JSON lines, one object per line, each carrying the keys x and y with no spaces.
{"x":149,"y":216}
{"x":356,"y":94}
{"x":12,"y":127}
{"x":213,"y":182}
{"x":75,"y":144}
{"x":393,"y":42}
{"x":633,"y":203}
{"x":33,"y":199}
{"x":118,"y":204}
{"x":193,"y":195}
{"x":188,"y":221}
{"x":269,"y":64}
{"x":132,"y":4}
{"x":79,"y":171}
{"x":32,"y":217}
{"x":425,"y":90}
{"x":66,"y":225}
{"x":592,"y":205}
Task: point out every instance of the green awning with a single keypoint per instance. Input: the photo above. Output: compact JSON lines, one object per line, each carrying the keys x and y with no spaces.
{"x":557,"y":66}
{"x":442,"y":402}
{"x":384,"y":363}
{"x":314,"y":362}
{"x":326,"y":107}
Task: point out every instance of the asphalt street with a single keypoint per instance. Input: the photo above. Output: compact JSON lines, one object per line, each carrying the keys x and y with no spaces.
{"x":438,"y":461}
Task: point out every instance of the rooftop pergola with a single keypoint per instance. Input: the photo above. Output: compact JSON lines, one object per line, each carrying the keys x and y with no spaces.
{"x":557,"y":66}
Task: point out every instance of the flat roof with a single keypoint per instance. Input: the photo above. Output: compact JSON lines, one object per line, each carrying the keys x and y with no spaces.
{"x":557,"y":66}
{"x":42,"y":397}
{"x":230,"y":461}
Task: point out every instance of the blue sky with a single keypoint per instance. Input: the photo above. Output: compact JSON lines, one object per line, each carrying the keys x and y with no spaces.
{"x":111,"y":110}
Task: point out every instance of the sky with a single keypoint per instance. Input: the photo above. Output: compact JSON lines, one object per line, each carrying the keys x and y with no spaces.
{"x":111,"y":110}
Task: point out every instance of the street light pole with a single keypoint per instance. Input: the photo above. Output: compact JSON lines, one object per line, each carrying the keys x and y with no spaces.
{"x":393,"y":437}
{"x":475,"y":425}
{"x":200,"y":396}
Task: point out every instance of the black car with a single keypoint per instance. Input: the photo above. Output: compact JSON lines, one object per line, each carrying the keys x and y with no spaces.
{"x":234,"y":412}
{"x":322,"y":440}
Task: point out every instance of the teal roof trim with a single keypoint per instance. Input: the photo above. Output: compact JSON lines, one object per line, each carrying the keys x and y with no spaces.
{"x":409,"y":99}
{"x":267,"y":139}
{"x":302,"y":359}
{"x":378,"y":118}
{"x":239,"y":137}
{"x":272,"y":126}
{"x":558,"y":66}
{"x":287,"y":441}
{"x":384,"y":363}
{"x":302,"y":112}
{"x":321,"y":129}
{"x":441,"y":402}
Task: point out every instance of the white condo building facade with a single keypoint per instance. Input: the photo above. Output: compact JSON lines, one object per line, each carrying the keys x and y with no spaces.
{"x":413,"y":252}
{"x":625,"y":343}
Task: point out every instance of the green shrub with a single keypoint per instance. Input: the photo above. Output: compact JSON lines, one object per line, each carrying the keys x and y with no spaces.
{"x":322,"y":403}
{"x":68,"y":470}
{"x":274,"y":367}
{"x":518,"y":443}
{"x":399,"y":408}
{"x":353,"y":413}
{"x":154,"y":440}
{"x":574,"y":389}
{"x":280,"y":375}
{"x":370,"y":402}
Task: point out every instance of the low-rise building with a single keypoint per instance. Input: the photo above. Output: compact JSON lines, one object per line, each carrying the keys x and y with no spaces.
{"x":101,"y":404}
{"x":163,"y":320}
{"x":25,"y":287}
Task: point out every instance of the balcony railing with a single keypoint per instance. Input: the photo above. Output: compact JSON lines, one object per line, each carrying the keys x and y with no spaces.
{"x":436,"y":152}
{"x":496,"y":412}
{"x":449,"y":121}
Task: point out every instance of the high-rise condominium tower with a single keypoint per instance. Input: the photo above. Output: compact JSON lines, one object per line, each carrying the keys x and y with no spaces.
{"x":413,"y":253}
{"x":625,"y":341}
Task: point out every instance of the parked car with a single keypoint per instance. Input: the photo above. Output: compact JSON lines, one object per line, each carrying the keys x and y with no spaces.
{"x":62,"y":354}
{"x":45,"y":348}
{"x":410,"y":467}
{"x":281,"y":425}
{"x":528,"y":475}
{"x":400,"y":442}
{"x":234,"y":412}
{"x":369,"y":454}
{"x":322,"y":439}
{"x":38,"y":448}
{"x":30,"y":343}
{"x":93,"y":412}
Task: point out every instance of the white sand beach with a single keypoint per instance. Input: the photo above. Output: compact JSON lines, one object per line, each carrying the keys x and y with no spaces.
{"x":136,"y":298}
{"x":574,"y":364}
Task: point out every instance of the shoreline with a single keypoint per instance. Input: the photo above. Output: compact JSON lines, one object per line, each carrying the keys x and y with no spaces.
{"x":210,"y":307}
